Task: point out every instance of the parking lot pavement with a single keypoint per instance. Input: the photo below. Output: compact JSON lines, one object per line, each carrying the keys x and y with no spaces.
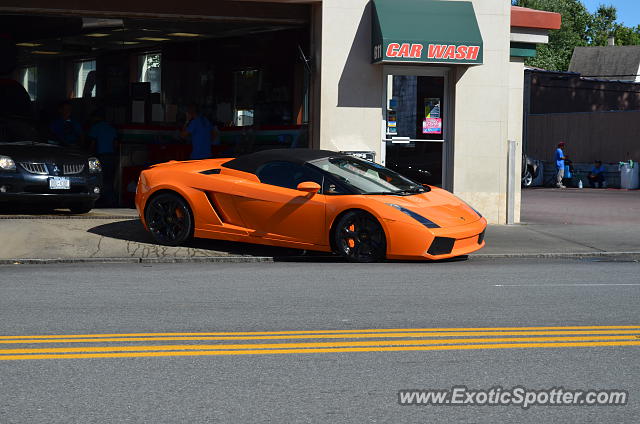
{"x":581,"y":206}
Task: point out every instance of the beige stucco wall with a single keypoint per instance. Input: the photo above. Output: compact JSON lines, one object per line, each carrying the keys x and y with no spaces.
{"x":487,"y":100}
{"x":351,"y":87}
{"x":482,"y":111}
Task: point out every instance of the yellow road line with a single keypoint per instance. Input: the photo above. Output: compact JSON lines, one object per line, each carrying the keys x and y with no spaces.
{"x":324,"y":336}
{"x":315,"y":350}
{"x":306,"y":345}
{"x":376,"y":330}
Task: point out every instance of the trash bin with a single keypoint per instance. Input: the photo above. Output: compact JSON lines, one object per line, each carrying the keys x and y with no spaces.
{"x":629,"y":175}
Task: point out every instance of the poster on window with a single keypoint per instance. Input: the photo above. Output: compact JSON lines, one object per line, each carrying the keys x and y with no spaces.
{"x":432,"y":126}
{"x":432,"y":107}
{"x":432,"y":123}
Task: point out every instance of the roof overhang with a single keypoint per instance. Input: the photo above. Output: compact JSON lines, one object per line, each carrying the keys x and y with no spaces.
{"x":529,"y":28}
{"x":425,"y":31}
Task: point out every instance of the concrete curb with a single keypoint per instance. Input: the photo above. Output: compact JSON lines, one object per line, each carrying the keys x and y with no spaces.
{"x":635,"y":256}
{"x":196,"y":259}
{"x":111,"y":217}
{"x":558,"y":255}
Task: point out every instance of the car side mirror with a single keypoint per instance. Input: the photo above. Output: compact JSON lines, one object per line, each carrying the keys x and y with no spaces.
{"x":309,"y":187}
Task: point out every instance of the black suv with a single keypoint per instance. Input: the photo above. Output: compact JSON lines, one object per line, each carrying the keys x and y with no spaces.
{"x":36,"y":171}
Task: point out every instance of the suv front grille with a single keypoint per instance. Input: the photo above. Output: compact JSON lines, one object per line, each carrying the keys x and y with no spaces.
{"x":35,"y":168}
{"x":72,"y":168}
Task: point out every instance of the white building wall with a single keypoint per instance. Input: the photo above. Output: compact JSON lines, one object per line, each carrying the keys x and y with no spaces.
{"x":482,"y":112}
{"x":487,"y":103}
{"x":351,"y":94}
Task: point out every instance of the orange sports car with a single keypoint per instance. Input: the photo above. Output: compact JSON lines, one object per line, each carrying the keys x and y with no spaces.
{"x":307,"y":199}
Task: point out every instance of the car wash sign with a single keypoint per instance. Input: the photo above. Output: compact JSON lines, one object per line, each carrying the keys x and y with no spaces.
{"x":425,"y":31}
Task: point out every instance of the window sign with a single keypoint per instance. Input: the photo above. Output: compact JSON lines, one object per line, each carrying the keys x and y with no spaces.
{"x":432,"y":123}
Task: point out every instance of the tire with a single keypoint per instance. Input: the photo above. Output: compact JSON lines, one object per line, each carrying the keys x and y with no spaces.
{"x":359,"y":237}
{"x":527,"y":178}
{"x":81,"y":208}
{"x":169,"y":219}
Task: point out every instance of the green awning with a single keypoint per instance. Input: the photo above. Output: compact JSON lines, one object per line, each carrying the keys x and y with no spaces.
{"x":425,"y":31}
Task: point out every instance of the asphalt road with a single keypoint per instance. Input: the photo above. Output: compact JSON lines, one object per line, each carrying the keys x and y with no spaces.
{"x":351,"y":371}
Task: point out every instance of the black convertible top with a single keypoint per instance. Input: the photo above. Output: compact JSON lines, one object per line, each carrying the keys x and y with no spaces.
{"x":251,"y":162}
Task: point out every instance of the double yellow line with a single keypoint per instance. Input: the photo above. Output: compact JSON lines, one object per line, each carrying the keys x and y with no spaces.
{"x":375,"y":340}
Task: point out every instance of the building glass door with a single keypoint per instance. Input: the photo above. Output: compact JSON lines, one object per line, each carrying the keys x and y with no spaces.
{"x":415,"y":123}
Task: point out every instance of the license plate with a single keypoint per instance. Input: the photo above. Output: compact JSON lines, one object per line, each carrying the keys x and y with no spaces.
{"x":59,"y":183}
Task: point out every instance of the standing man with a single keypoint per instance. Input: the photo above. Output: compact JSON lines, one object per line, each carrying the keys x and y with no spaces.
{"x":560,"y":158}
{"x":66,"y":130}
{"x":202,"y":132}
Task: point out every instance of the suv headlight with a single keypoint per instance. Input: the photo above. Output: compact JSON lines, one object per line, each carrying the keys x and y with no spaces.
{"x":94,"y":165}
{"x":7,"y":164}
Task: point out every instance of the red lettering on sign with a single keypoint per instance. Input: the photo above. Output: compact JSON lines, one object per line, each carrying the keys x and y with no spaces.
{"x":392,"y":50}
{"x":472,"y":53}
{"x":436,"y":51}
{"x":416,"y":51}
{"x":461,"y":52}
{"x":404,"y":50}
{"x":451,"y":53}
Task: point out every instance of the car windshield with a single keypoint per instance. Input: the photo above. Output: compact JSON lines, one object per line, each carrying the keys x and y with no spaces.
{"x":366,"y":177}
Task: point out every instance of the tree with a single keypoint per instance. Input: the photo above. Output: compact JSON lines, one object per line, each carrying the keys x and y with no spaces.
{"x":579,"y":28}
{"x":626,"y":36}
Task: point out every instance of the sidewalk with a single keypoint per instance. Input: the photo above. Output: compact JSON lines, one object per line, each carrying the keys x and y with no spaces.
{"x":558,"y":223}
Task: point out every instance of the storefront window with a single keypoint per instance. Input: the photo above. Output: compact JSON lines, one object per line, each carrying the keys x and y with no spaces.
{"x":246,"y":86}
{"x":85,"y":78}
{"x":28,"y":79}
{"x":149,"y":70}
{"x":415,"y":107}
{"x":415,"y":126}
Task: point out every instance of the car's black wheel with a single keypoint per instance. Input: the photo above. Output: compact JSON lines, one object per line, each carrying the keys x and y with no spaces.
{"x":359,"y":237}
{"x":81,"y":208}
{"x":169,"y":219}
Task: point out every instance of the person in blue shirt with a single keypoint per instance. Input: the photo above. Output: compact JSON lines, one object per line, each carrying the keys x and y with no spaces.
{"x":103,"y":136}
{"x":560,"y":158}
{"x":201,"y":131}
{"x":596,"y":175}
{"x":66,"y":130}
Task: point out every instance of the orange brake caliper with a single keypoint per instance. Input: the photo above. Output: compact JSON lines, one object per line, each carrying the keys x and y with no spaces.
{"x":351,"y":242}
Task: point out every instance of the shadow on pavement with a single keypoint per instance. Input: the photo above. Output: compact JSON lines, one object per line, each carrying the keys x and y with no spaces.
{"x":132,"y":230}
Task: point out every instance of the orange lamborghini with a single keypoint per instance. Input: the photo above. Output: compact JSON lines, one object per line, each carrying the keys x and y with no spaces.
{"x":307,"y":199}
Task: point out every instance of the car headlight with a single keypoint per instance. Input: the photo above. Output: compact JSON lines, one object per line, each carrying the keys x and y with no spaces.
{"x":94,"y":165}
{"x":7,"y":164}
{"x":421,"y":219}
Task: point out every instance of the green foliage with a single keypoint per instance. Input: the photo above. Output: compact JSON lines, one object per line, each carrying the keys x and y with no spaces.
{"x":579,"y":28}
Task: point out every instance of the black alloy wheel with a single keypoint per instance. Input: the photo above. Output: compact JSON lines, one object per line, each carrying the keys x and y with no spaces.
{"x":359,"y":237}
{"x":169,"y":219}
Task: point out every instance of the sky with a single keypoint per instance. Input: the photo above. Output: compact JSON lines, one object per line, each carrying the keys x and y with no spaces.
{"x":628,"y":10}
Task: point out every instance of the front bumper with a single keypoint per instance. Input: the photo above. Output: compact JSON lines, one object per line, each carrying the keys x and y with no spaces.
{"x":410,"y":241}
{"x":23,"y":187}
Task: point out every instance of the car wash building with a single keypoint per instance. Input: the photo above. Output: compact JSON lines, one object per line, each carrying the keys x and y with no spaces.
{"x":431,"y":88}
